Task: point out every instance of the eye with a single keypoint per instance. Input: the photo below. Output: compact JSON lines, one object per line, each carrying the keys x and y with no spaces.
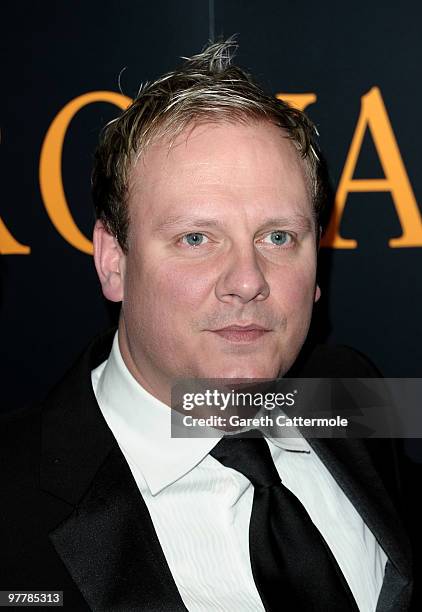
{"x":194,"y":239}
{"x":279,"y":238}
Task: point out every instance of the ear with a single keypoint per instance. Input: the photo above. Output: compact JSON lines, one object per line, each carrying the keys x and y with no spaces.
{"x":317,"y":287}
{"x":318,"y":237}
{"x":109,"y":263}
{"x":317,"y":293}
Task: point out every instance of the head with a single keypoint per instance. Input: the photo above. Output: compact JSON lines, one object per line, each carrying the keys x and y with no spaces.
{"x":208,"y":194}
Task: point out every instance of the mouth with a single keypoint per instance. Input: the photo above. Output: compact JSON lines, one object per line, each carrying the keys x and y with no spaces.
{"x":241,"y":333}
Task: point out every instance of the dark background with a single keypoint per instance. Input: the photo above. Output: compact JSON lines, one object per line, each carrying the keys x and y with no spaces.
{"x":50,"y":302}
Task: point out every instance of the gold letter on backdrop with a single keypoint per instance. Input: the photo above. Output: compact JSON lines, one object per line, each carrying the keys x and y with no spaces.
{"x":374,"y":116}
{"x":8,"y":244}
{"x":51,"y":182}
{"x":300,"y":101}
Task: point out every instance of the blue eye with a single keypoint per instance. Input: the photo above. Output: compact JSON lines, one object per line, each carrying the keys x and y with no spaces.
{"x":280,"y":238}
{"x":194,"y":239}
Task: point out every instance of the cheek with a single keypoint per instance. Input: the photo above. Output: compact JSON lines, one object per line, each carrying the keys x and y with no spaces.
{"x":166,"y":290}
{"x":295,"y":288}
{"x":183,"y":286}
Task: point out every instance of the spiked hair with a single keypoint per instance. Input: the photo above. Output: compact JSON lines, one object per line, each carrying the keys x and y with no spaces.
{"x":206,"y":88}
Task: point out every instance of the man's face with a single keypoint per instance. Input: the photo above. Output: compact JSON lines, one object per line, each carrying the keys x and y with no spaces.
{"x":219,"y":278}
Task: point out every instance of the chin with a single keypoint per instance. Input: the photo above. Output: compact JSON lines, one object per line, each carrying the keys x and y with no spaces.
{"x":237,"y":371}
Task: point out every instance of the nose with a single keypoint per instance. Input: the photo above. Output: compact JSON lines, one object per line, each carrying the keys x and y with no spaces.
{"x":242,"y":278}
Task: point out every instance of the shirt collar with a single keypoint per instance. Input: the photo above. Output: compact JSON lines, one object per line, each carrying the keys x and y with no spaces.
{"x":297,"y":444}
{"x":142,"y":426}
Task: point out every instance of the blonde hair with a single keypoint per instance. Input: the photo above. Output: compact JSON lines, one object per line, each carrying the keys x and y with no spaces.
{"x":206,"y":88}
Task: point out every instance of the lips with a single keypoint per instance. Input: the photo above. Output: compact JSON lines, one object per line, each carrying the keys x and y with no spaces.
{"x":250,"y":327}
{"x":241,"y":333}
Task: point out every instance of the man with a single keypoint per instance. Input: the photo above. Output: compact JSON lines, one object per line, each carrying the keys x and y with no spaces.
{"x":208,"y":195}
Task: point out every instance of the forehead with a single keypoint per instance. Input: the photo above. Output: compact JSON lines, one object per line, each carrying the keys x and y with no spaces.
{"x":225,"y":165}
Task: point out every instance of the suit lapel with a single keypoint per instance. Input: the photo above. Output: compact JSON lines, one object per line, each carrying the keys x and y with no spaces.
{"x":350,"y":464}
{"x":108,"y":543}
{"x":110,"y":547}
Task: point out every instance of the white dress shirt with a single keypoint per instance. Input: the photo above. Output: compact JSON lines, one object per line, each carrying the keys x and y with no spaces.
{"x":201,"y":509}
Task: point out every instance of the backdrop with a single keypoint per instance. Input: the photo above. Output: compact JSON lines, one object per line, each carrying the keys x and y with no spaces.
{"x":355,"y":68}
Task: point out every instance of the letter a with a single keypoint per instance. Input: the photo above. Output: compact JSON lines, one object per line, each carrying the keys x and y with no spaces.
{"x":374,"y":116}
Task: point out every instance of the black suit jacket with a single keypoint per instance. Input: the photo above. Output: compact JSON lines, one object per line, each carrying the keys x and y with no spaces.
{"x":72,"y":518}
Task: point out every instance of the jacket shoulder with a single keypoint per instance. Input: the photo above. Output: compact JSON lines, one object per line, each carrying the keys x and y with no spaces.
{"x":333,"y":361}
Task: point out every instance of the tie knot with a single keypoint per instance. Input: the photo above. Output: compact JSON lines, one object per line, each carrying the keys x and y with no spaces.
{"x":250,"y":456}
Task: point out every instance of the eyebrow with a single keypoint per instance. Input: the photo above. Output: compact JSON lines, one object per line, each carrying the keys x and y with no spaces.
{"x":300,"y":223}
{"x":183,"y":220}
{"x":296,"y":222}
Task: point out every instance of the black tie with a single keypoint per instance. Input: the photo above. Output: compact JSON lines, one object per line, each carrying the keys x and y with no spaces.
{"x":292,"y":565}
